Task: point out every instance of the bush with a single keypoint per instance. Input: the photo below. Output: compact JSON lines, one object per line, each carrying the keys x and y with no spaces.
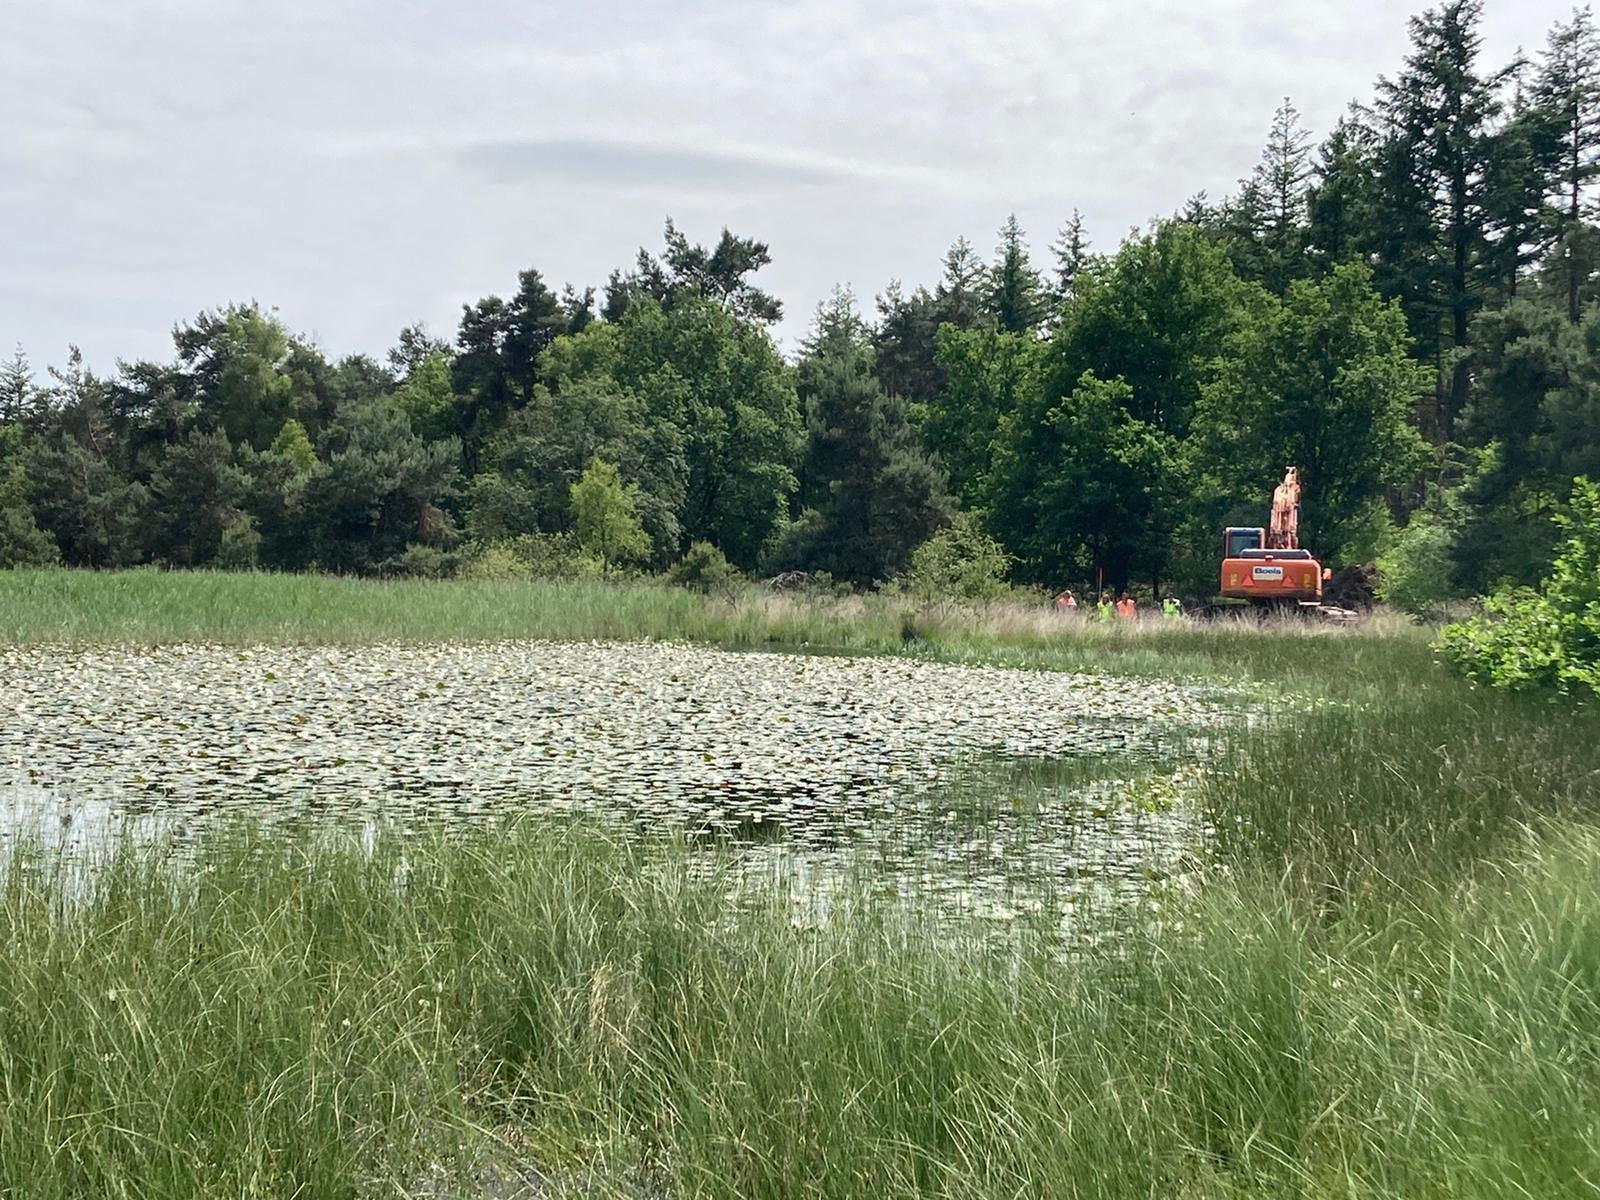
{"x":529,"y":556}
{"x":607,"y":516}
{"x":1548,"y":639}
{"x":417,"y":561}
{"x":960,"y":562}
{"x":1416,"y":571}
{"x":706,"y":569}
{"x":240,"y":547}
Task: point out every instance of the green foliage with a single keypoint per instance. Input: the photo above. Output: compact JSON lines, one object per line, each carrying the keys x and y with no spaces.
{"x":1081,"y":482}
{"x":704,"y":568}
{"x":871,"y":495}
{"x":988,"y":373}
{"x":1323,"y":382}
{"x":1014,"y":296}
{"x":688,"y":271}
{"x":1265,"y":225}
{"x":80,"y":494}
{"x":239,"y":547}
{"x":380,"y":490}
{"x":580,"y":412}
{"x":22,"y":542}
{"x":419,"y":561}
{"x":1417,"y":568}
{"x":293,"y":445}
{"x":494,"y":372}
{"x":1535,"y":407}
{"x":1158,"y":316}
{"x":240,"y":360}
{"x":607,"y":518}
{"x":196,"y":493}
{"x":527,"y":556}
{"x":960,"y":562}
{"x":426,"y":397}
{"x":1548,"y":639}
{"x":723,"y":430}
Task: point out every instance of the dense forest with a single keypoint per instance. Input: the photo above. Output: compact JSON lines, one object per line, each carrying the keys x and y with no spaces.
{"x":1409,"y":310}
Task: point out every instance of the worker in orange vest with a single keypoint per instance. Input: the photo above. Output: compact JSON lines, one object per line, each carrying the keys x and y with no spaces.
{"x":1126,"y":609}
{"x":1067,"y":602}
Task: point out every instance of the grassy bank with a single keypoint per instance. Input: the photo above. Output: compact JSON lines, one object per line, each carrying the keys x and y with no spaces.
{"x":151,"y":607}
{"x":1386,"y":982}
{"x":291,"y":1019}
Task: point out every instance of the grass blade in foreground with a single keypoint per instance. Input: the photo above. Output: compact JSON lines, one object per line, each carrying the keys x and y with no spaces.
{"x":277,"y":1019}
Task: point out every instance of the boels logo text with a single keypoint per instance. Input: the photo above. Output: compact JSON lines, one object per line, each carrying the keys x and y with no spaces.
{"x":1265,"y":573}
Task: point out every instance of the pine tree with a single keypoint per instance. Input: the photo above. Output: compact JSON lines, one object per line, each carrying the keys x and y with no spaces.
{"x":16,"y":387}
{"x":959,"y":292}
{"x":1568,"y":89}
{"x":1071,"y":250}
{"x":871,"y":495}
{"x":903,"y":343}
{"x":1439,"y":115}
{"x":1282,"y":176}
{"x":1519,"y":162}
{"x":1013,"y":293}
{"x":1342,"y":200}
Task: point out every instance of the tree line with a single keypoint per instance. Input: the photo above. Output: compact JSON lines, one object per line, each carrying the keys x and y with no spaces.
{"x":1409,"y":311}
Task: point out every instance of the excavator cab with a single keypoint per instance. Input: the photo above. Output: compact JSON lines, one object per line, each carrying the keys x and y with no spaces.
{"x":1238,"y":538}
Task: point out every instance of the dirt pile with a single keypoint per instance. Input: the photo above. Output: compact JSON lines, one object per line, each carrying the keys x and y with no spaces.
{"x":1353,"y":587}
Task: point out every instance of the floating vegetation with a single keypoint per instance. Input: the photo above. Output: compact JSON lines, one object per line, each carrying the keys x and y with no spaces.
{"x":959,"y":781}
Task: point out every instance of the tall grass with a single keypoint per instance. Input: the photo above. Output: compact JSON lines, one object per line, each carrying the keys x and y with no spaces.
{"x":281,"y":1018}
{"x":1387,"y":982}
{"x":153,"y":607}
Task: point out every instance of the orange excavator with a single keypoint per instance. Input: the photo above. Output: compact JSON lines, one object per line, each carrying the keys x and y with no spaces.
{"x":1267,"y":566}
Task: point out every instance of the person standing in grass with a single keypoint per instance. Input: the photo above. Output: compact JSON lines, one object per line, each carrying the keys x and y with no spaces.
{"x":1171,"y":610}
{"x":1067,"y":602}
{"x":1103,"y":612}
{"x":1126,"y":608}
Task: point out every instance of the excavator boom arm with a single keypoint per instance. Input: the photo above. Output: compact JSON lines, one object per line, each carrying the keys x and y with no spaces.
{"x":1284,"y":532}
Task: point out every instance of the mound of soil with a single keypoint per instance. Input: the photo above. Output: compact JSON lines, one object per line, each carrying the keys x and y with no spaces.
{"x":1353,"y":587}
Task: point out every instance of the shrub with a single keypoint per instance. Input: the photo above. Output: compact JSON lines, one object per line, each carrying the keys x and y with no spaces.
{"x":240,"y":547}
{"x":529,"y":556}
{"x":1416,"y":571}
{"x":417,"y":561}
{"x":960,"y":562}
{"x":706,"y":569}
{"x":1545,"y":639}
{"x":607,"y":516}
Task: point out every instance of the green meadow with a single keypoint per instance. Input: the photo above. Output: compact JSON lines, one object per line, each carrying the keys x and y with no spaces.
{"x":1381,"y":978}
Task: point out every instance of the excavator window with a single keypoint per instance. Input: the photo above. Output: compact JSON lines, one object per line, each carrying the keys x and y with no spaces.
{"x":1237,"y":540}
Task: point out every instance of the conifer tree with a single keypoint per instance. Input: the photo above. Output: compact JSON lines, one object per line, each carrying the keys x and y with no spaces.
{"x":871,"y":495}
{"x":1568,"y":89}
{"x":1439,"y":115}
{"x":1013,"y":293}
{"x":1071,"y":251}
{"x":1341,"y":201}
{"x":16,"y":387}
{"x":959,"y":294}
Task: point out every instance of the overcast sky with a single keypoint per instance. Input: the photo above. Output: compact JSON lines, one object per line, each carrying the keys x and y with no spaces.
{"x":363,"y":164}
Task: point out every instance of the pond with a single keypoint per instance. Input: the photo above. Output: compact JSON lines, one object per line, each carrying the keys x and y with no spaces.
{"x":946,"y":776}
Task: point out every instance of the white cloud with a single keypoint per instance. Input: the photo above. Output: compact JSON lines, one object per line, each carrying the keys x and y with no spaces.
{"x":368,"y":163}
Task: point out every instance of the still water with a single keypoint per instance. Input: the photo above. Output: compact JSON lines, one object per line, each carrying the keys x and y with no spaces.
{"x":982,"y":789}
